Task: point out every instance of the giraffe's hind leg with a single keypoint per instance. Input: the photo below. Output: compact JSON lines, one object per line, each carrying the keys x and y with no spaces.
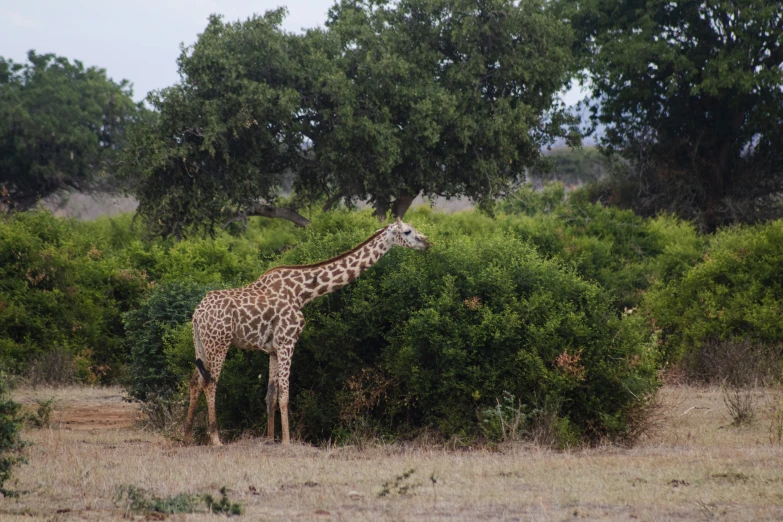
{"x":215,"y":364}
{"x":195,"y":391}
{"x":206,"y":378}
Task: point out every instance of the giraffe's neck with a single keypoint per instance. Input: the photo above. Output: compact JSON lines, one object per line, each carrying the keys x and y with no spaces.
{"x":338,"y":272}
{"x":311,"y":281}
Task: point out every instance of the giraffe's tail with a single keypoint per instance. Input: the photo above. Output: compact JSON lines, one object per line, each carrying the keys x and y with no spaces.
{"x":203,"y":371}
{"x":200,"y":354}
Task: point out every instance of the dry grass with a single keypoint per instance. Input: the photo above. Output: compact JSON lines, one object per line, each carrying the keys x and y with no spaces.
{"x":696,"y":467}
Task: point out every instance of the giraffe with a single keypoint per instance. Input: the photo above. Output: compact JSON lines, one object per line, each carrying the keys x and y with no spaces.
{"x":267,"y":315}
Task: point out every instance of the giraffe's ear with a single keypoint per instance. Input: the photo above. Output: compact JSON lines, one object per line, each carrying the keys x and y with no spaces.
{"x":399,"y":221}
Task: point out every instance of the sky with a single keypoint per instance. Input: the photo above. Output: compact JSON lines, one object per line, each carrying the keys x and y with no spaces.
{"x":137,"y":40}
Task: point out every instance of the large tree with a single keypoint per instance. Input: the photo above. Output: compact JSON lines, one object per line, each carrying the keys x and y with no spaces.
{"x":218,"y":144}
{"x":440,"y":97}
{"x":435,"y":97}
{"x":61,"y":125}
{"x":691,"y":94}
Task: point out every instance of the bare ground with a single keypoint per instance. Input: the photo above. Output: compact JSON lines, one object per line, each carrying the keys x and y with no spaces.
{"x":696,"y":467}
{"x":83,"y":408}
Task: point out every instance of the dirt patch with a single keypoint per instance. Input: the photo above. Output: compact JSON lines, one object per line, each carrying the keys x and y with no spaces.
{"x":97,"y":418}
{"x":89,"y":408}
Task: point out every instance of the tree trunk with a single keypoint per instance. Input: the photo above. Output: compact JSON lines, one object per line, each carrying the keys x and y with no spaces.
{"x":402,"y":204}
{"x":720,"y":178}
{"x":382,"y":206}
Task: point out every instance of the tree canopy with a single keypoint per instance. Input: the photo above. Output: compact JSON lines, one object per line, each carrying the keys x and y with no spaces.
{"x":690,"y":94}
{"x":220,"y":142}
{"x":438,"y":97}
{"x":390,"y":100}
{"x":61,"y":125}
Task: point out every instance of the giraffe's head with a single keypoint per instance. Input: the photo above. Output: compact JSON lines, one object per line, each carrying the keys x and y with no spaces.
{"x":405,"y":235}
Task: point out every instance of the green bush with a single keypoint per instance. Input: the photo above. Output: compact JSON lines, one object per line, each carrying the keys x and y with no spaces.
{"x":456,"y":327}
{"x":615,"y":248}
{"x":423,"y":340}
{"x":736,"y":291}
{"x":535,"y":303}
{"x":61,"y":290}
{"x":169,"y":305}
{"x":432,"y":339}
{"x":10,"y":443}
{"x":65,"y":285}
{"x":681,"y":248}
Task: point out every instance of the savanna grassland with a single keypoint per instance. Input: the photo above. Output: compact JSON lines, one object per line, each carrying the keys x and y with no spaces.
{"x":693,"y":465}
{"x":513,"y":370}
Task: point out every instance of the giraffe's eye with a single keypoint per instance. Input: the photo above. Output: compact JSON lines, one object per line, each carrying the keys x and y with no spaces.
{"x":407,"y":232}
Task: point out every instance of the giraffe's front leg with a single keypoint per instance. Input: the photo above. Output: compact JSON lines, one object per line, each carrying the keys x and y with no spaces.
{"x":283,"y":372}
{"x":285,"y":351}
{"x":271,"y":397}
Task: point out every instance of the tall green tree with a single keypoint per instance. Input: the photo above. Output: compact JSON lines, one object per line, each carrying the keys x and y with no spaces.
{"x":61,"y":126}
{"x":218,"y":145}
{"x":440,"y":97}
{"x":691,"y":94}
{"x":435,"y":97}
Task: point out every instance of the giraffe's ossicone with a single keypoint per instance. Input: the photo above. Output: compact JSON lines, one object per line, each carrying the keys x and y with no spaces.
{"x":267,"y":315}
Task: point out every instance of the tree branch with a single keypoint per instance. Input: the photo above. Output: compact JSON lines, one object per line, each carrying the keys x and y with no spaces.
{"x":332,"y":200}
